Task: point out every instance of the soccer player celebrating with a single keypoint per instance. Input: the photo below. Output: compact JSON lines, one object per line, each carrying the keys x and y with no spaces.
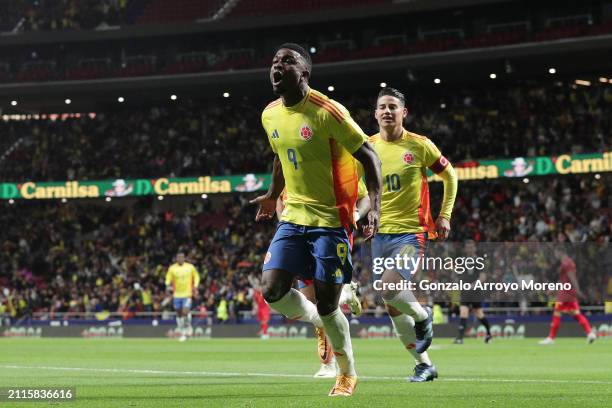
{"x":314,"y":141}
{"x":567,"y":300}
{"x":406,"y":223}
{"x":348,"y":295}
{"x":472,"y":299}
{"x":182,"y":279}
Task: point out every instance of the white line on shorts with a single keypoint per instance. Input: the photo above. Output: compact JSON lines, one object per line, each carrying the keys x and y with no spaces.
{"x":277,"y":375}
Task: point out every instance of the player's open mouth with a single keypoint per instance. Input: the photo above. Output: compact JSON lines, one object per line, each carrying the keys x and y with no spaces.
{"x":277,"y":77}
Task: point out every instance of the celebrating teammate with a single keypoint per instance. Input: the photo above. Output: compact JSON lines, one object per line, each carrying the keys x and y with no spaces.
{"x":567,"y":300}
{"x":312,"y":138}
{"x":182,"y":279}
{"x":471,"y":299}
{"x":406,"y":223}
{"x":348,"y":295}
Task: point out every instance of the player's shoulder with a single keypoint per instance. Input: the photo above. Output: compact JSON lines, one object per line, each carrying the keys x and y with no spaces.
{"x":374,"y":139}
{"x":326,"y":106}
{"x":417,"y":138}
{"x":567,"y":261}
{"x":272,"y":107}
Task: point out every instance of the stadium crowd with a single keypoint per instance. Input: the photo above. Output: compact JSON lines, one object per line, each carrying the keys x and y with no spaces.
{"x":400,"y":34}
{"x":91,"y":258}
{"x":190,"y":138}
{"x":52,"y":15}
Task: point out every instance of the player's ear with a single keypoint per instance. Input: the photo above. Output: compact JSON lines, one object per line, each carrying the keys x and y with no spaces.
{"x":405,"y":112}
{"x":306,"y":75}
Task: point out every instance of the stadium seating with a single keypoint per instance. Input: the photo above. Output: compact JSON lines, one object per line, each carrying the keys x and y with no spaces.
{"x":161,"y":11}
{"x":66,"y":260}
{"x":271,"y":7}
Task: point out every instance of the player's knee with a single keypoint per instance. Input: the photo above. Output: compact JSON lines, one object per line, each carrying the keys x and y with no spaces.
{"x":325,"y":307}
{"x":388,"y":295}
{"x":271,"y":291}
{"x":393,"y":312}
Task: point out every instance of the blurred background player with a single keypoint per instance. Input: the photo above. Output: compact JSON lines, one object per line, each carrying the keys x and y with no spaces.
{"x":183,"y":280}
{"x":262,"y":312}
{"x":471,"y":299}
{"x":406,"y":223}
{"x":567,"y":300}
{"x":315,"y":144}
{"x":349,"y":295}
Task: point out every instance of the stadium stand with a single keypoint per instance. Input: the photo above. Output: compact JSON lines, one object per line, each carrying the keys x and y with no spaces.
{"x":342,"y":41}
{"x":80,"y":258}
{"x":184,"y":138}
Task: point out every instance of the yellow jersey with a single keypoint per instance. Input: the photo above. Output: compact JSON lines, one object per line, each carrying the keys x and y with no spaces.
{"x":314,"y":141}
{"x":405,"y":193}
{"x":183,"y":278}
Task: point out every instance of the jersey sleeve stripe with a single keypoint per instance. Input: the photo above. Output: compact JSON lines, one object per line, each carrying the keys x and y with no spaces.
{"x":273,"y":104}
{"x":327,"y":108}
{"x":330,"y":104}
{"x":345,"y":180}
{"x":439,"y":165}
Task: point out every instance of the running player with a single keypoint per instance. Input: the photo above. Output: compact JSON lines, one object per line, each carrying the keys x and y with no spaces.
{"x":348,"y":295}
{"x":406,"y":223}
{"x":183,"y":280}
{"x":312,"y":138}
{"x":567,"y":300}
{"x":472,"y":299}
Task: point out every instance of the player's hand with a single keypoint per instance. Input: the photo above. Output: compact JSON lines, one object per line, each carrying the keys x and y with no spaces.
{"x":267,"y":207}
{"x":371,"y":228}
{"x":442,"y":228}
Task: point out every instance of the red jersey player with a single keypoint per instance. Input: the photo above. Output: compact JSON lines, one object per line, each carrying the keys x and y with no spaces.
{"x":262,"y":311}
{"x":567,"y":300}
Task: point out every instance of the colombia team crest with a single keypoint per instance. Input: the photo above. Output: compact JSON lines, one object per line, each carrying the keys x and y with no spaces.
{"x":408,"y":157}
{"x":306,"y":132}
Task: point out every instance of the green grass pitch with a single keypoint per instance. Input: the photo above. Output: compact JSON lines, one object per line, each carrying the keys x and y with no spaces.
{"x":277,"y":373}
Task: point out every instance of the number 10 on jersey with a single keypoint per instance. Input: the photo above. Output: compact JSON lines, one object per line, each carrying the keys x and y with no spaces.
{"x":393,"y":182}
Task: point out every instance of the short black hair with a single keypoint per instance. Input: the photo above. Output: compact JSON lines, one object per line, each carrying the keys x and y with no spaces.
{"x":300,"y":50}
{"x":388,"y":91}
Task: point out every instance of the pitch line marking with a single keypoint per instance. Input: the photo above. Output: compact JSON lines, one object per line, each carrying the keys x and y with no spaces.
{"x":276,"y":375}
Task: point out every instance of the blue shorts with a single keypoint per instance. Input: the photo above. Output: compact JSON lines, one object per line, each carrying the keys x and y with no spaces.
{"x":182,"y":303}
{"x":389,"y":246}
{"x":320,"y":253}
